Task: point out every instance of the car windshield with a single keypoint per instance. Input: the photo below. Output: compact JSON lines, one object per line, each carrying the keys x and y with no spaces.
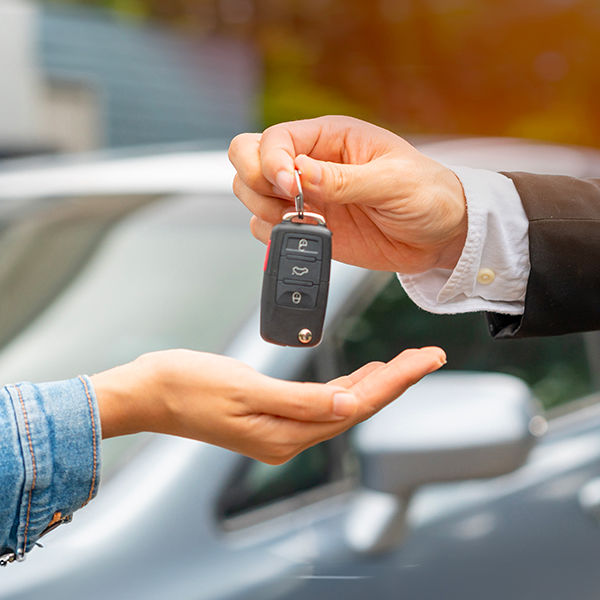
{"x":89,"y":283}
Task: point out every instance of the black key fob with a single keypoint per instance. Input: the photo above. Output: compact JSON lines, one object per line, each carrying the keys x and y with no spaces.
{"x":296,"y":281}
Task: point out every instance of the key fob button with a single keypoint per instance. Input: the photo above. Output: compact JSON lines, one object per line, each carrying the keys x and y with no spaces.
{"x":296,"y":296}
{"x":299,"y":270}
{"x":308,"y":246}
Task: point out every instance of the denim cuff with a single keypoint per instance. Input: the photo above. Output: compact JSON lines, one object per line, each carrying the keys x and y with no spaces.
{"x":51,"y":435}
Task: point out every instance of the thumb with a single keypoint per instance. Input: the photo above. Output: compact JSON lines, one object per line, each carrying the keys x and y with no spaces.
{"x":339,"y":183}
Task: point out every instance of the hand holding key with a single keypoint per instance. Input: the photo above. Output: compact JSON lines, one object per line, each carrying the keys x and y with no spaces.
{"x":388,"y":206}
{"x":296,"y":278}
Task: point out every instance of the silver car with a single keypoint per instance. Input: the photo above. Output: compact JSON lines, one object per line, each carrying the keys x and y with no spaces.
{"x":482,"y":481}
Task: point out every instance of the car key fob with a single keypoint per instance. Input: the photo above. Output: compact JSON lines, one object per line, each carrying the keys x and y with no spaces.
{"x":296,"y":279}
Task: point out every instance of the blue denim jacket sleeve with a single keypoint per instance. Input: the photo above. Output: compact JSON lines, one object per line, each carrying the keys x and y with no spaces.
{"x":49,"y":458}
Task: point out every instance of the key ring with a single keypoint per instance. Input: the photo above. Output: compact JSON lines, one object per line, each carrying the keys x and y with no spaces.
{"x":299,"y":198}
{"x":294,"y":215}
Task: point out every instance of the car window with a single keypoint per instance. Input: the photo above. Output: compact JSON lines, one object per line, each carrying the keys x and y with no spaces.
{"x":44,"y":244}
{"x":255,"y":485}
{"x":557,"y":368}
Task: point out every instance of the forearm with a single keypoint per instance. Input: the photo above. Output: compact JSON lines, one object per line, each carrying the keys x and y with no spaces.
{"x":564,"y":243}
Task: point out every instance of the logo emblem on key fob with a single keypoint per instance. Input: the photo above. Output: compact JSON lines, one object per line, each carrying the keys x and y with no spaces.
{"x":296,"y":278}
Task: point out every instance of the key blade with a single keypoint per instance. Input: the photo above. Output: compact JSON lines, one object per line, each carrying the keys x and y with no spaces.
{"x":300,"y":195}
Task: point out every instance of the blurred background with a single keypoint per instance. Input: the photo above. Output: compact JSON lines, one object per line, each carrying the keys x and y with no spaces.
{"x":107,"y":256}
{"x":80,"y":75}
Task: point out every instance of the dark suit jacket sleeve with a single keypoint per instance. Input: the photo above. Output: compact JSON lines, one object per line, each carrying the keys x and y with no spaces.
{"x":563,"y":290}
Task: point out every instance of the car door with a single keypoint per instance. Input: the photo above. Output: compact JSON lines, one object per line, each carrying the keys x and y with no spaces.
{"x":527,"y":534}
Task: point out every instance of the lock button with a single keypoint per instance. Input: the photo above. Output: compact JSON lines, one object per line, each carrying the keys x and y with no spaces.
{"x":302,"y":245}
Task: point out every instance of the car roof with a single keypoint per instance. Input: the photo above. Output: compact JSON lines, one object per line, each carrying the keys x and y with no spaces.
{"x":179,"y":172}
{"x":187,"y":171}
{"x":511,"y":154}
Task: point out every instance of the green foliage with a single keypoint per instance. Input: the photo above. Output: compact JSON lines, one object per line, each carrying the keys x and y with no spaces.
{"x":128,"y":8}
{"x":291,"y":92}
{"x":134,"y":8}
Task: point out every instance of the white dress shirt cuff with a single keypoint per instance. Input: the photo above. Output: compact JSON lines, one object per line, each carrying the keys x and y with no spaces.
{"x":491,"y":274}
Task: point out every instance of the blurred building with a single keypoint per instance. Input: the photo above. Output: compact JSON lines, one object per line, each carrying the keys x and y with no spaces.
{"x":78,"y":79}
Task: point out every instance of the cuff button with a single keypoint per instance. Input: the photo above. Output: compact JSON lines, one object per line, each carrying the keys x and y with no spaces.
{"x":485,"y":276}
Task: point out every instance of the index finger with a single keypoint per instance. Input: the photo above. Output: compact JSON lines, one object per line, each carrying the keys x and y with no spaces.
{"x":321,"y":138}
{"x":391,"y":380}
{"x":245,"y":157}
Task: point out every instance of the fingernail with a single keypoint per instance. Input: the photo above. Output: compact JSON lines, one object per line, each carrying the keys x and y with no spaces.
{"x":440,"y":352}
{"x":311,"y":171}
{"x":284,"y":181}
{"x":344,"y":404}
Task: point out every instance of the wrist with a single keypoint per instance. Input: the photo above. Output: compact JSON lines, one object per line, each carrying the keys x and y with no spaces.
{"x":453,"y":196}
{"x":126,"y":397}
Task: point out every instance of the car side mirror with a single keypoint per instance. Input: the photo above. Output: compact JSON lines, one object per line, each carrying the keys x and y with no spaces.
{"x":449,"y":427}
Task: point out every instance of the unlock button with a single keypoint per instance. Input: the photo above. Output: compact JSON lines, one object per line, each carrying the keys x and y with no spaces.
{"x":297,"y":296}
